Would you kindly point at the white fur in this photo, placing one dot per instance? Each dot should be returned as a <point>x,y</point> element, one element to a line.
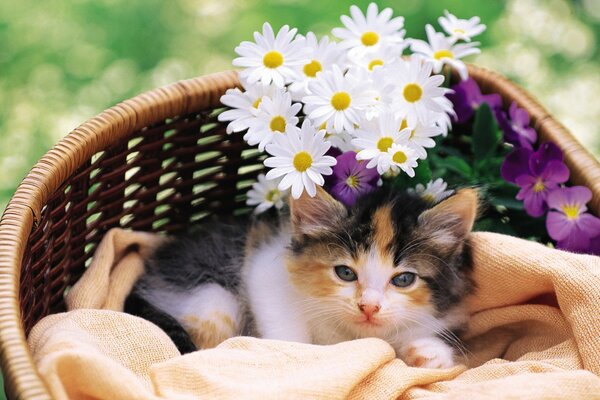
<point>202,302</point>
<point>270,294</point>
<point>428,352</point>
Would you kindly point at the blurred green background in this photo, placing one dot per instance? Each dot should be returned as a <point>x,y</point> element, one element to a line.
<point>62,62</point>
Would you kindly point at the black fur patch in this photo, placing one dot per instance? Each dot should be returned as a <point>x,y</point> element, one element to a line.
<point>135,305</point>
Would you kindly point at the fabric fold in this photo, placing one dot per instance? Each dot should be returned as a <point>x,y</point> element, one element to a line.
<point>534,333</point>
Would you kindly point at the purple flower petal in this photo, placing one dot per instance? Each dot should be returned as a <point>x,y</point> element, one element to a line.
<point>351,178</point>
<point>594,247</point>
<point>494,100</point>
<point>518,115</point>
<point>558,226</point>
<point>569,196</point>
<point>535,204</point>
<point>546,153</point>
<point>588,224</point>
<point>557,198</point>
<point>516,127</point>
<point>574,243</point>
<point>555,171</point>
<point>466,98</point>
<point>516,164</point>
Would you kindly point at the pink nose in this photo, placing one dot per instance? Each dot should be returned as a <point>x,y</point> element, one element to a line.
<point>369,309</point>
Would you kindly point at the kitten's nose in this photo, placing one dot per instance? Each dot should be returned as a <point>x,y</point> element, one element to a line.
<point>369,309</point>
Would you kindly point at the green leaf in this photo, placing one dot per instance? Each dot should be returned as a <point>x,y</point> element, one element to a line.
<point>455,164</point>
<point>486,135</point>
<point>422,175</point>
<point>507,202</point>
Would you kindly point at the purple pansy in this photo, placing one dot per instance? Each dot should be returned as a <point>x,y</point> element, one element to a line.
<point>570,225</point>
<point>351,178</point>
<point>536,173</point>
<point>467,98</point>
<point>516,127</point>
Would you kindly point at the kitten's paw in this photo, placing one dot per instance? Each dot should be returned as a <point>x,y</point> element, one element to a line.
<point>429,352</point>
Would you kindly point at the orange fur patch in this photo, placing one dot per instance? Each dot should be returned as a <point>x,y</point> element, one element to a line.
<point>312,277</point>
<point>420,295</point>
<point>207,334</point>
<point>311,273</point>
<point>383,229</point>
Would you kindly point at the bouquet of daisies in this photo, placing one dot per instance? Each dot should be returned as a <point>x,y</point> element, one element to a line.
<point>345,114</point>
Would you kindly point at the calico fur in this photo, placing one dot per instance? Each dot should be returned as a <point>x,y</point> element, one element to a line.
<point>275,277</point>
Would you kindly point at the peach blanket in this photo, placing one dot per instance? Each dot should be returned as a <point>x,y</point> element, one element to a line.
<point>534,334</point>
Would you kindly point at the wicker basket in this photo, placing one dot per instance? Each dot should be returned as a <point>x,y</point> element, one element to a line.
<point>157,162</point>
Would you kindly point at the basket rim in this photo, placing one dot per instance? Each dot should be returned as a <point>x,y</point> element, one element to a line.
<point>58,164</point>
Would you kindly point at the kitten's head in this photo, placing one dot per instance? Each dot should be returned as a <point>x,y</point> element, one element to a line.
<point>385,263</point>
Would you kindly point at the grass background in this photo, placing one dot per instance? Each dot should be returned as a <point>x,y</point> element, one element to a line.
<point>62,62</point>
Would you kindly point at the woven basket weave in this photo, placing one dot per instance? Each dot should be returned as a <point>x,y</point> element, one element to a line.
<point>156,162</point>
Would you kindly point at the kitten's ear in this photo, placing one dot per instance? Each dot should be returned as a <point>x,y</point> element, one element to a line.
<point>457,212</point>
<point>311,215</point>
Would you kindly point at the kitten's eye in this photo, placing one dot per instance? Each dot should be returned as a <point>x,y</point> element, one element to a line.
<point>404,279</point>
<point>345,273</point>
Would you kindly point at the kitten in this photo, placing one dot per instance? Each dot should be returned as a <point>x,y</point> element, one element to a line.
<point>393,266</point>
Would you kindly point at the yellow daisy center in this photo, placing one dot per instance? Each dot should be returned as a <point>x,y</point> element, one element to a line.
<point>257,102</point>
<point>272,195</point>
<point>340,100</point>
<point>438,55</point>
<point>412,134</point>
<point>302,161</point>
<point>459,31</point>
<point>428,197</point>
<point>369,38</point>
<point>412,92</point>
<point>277,124</point>
<point>273,59</point>
<point>539,186</point>
<point>312,68</point>
<point>384,143</point>
<point>375,63</point>
<point>399,157</point>
<point>572,212</point>
<point>352,181</point>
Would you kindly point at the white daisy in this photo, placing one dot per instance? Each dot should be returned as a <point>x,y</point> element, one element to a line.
<point>461,29</point>
<point>441,50</point>
<point>364,33</point>
<point>265,194</point>
<point>244,105</point>
<point>443,119</point>
<point>272,59</point>
<point>300,158</point>
<point>417,90</point>
<point>336,100</point>
<point>402,157</point>
<point>381,87</point>
<point>371,60</point>
<point>324,54</point>
<point>434,192</point>
<point>342,141</point>
<point>374,139</point>
<point>275,116</point>
<point>421,137</point>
